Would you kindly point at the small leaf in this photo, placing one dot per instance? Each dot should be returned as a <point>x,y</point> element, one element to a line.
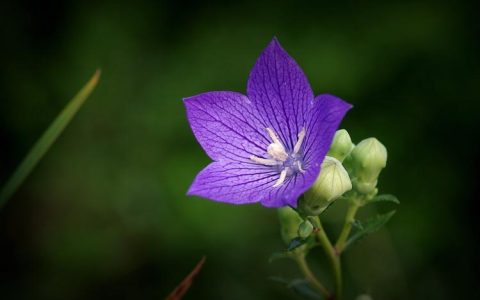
<point>298,241</point>
<point>278,255</point>
<point>357,224</point>
<point>183,287</point>
<point>369,226</point>
<point>295,243</point>
<point>385,198</point>
<point>299,286</point>
<point>46,140</point>
<point>302,288</point>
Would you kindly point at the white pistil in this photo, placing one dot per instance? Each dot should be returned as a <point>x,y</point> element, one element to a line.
<point>301,136</point>
<point>276,149</point>
<point>282,177</point>
<point>279,156</point>
<point>277,152</point>
<point>264,161</point>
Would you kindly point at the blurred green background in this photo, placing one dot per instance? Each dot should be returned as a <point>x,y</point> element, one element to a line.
<point>105,216</point>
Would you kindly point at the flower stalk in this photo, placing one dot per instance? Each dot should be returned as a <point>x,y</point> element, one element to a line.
<point>333,257</point>
<point>309,276</point>
<point>347,226</point>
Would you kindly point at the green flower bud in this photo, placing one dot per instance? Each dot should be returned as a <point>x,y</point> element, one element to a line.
<point>341,146</point>
<point>332,182</point>
<point>289,223</point>
<point>369,157</point>
<point>305,229</point>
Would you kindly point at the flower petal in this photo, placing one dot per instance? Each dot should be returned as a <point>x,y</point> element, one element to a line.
<point>240,183</point>
<point>226,126</point>
<point>324,119</point>
<point>280,92</point>
<point>287,194</point>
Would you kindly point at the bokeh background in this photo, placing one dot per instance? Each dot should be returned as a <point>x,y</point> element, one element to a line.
<point>105,216</point>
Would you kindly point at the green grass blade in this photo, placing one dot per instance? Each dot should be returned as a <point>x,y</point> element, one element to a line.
<point>46,140</point>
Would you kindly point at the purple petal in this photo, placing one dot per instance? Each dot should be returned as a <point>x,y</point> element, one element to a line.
<point>281,93</point>
<point>241,183</point>
<point>324,119</point>
<point>226,126</point>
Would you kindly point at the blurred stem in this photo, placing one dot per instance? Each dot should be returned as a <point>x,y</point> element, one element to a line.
<point>333,257</point>
<point>347,227</point>
<point>302,264</point>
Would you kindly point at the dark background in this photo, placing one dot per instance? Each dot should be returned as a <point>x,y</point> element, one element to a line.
<point>105,216</point>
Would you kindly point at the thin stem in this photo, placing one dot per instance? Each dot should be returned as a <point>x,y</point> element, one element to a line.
<point>333,257</point>
<point>302,264</point>
<point>347,227</point>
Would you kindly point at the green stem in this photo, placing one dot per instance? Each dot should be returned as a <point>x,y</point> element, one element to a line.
<point>347,227</point>
<point>333,257</point>
<point>302,264</point>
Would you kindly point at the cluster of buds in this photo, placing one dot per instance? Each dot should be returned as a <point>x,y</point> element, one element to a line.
<point>346,167</point>
<point>350,172</point>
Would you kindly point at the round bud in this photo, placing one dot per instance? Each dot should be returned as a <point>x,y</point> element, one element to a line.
<point>332,182</point>
<point>289,223</point>
<point>305,229</point>
<point>341,146</point>
<point>369,157</point>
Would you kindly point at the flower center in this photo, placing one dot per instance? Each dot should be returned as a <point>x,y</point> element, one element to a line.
<point>287,164</point>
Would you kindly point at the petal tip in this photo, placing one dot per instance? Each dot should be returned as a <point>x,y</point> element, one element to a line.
<point>188,99</point>
<point>274,45</point>
<point>186,102</point>
<point>275,41</point>
<point>190,191</point>
<point>338,101</point>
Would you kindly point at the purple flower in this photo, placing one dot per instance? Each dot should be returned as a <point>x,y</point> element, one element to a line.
<point>267,146</point>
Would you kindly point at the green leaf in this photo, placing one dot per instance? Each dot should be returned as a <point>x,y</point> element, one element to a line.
<point>278,255</point>
<point>367,227</point>
<point>46,140</point>
<point>295,243</point>
<point>298,241</point>
<point>385,198</point>
<point>299,286</point>
<point>302,288</point>
<point>357,224</point>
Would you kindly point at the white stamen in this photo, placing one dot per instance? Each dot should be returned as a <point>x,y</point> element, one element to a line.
<point>299,166</point>
<point>301,136</point>
<point>282,177</point>
<point>277,152</point>
<point>273,136</point>
<point>264,161</point>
